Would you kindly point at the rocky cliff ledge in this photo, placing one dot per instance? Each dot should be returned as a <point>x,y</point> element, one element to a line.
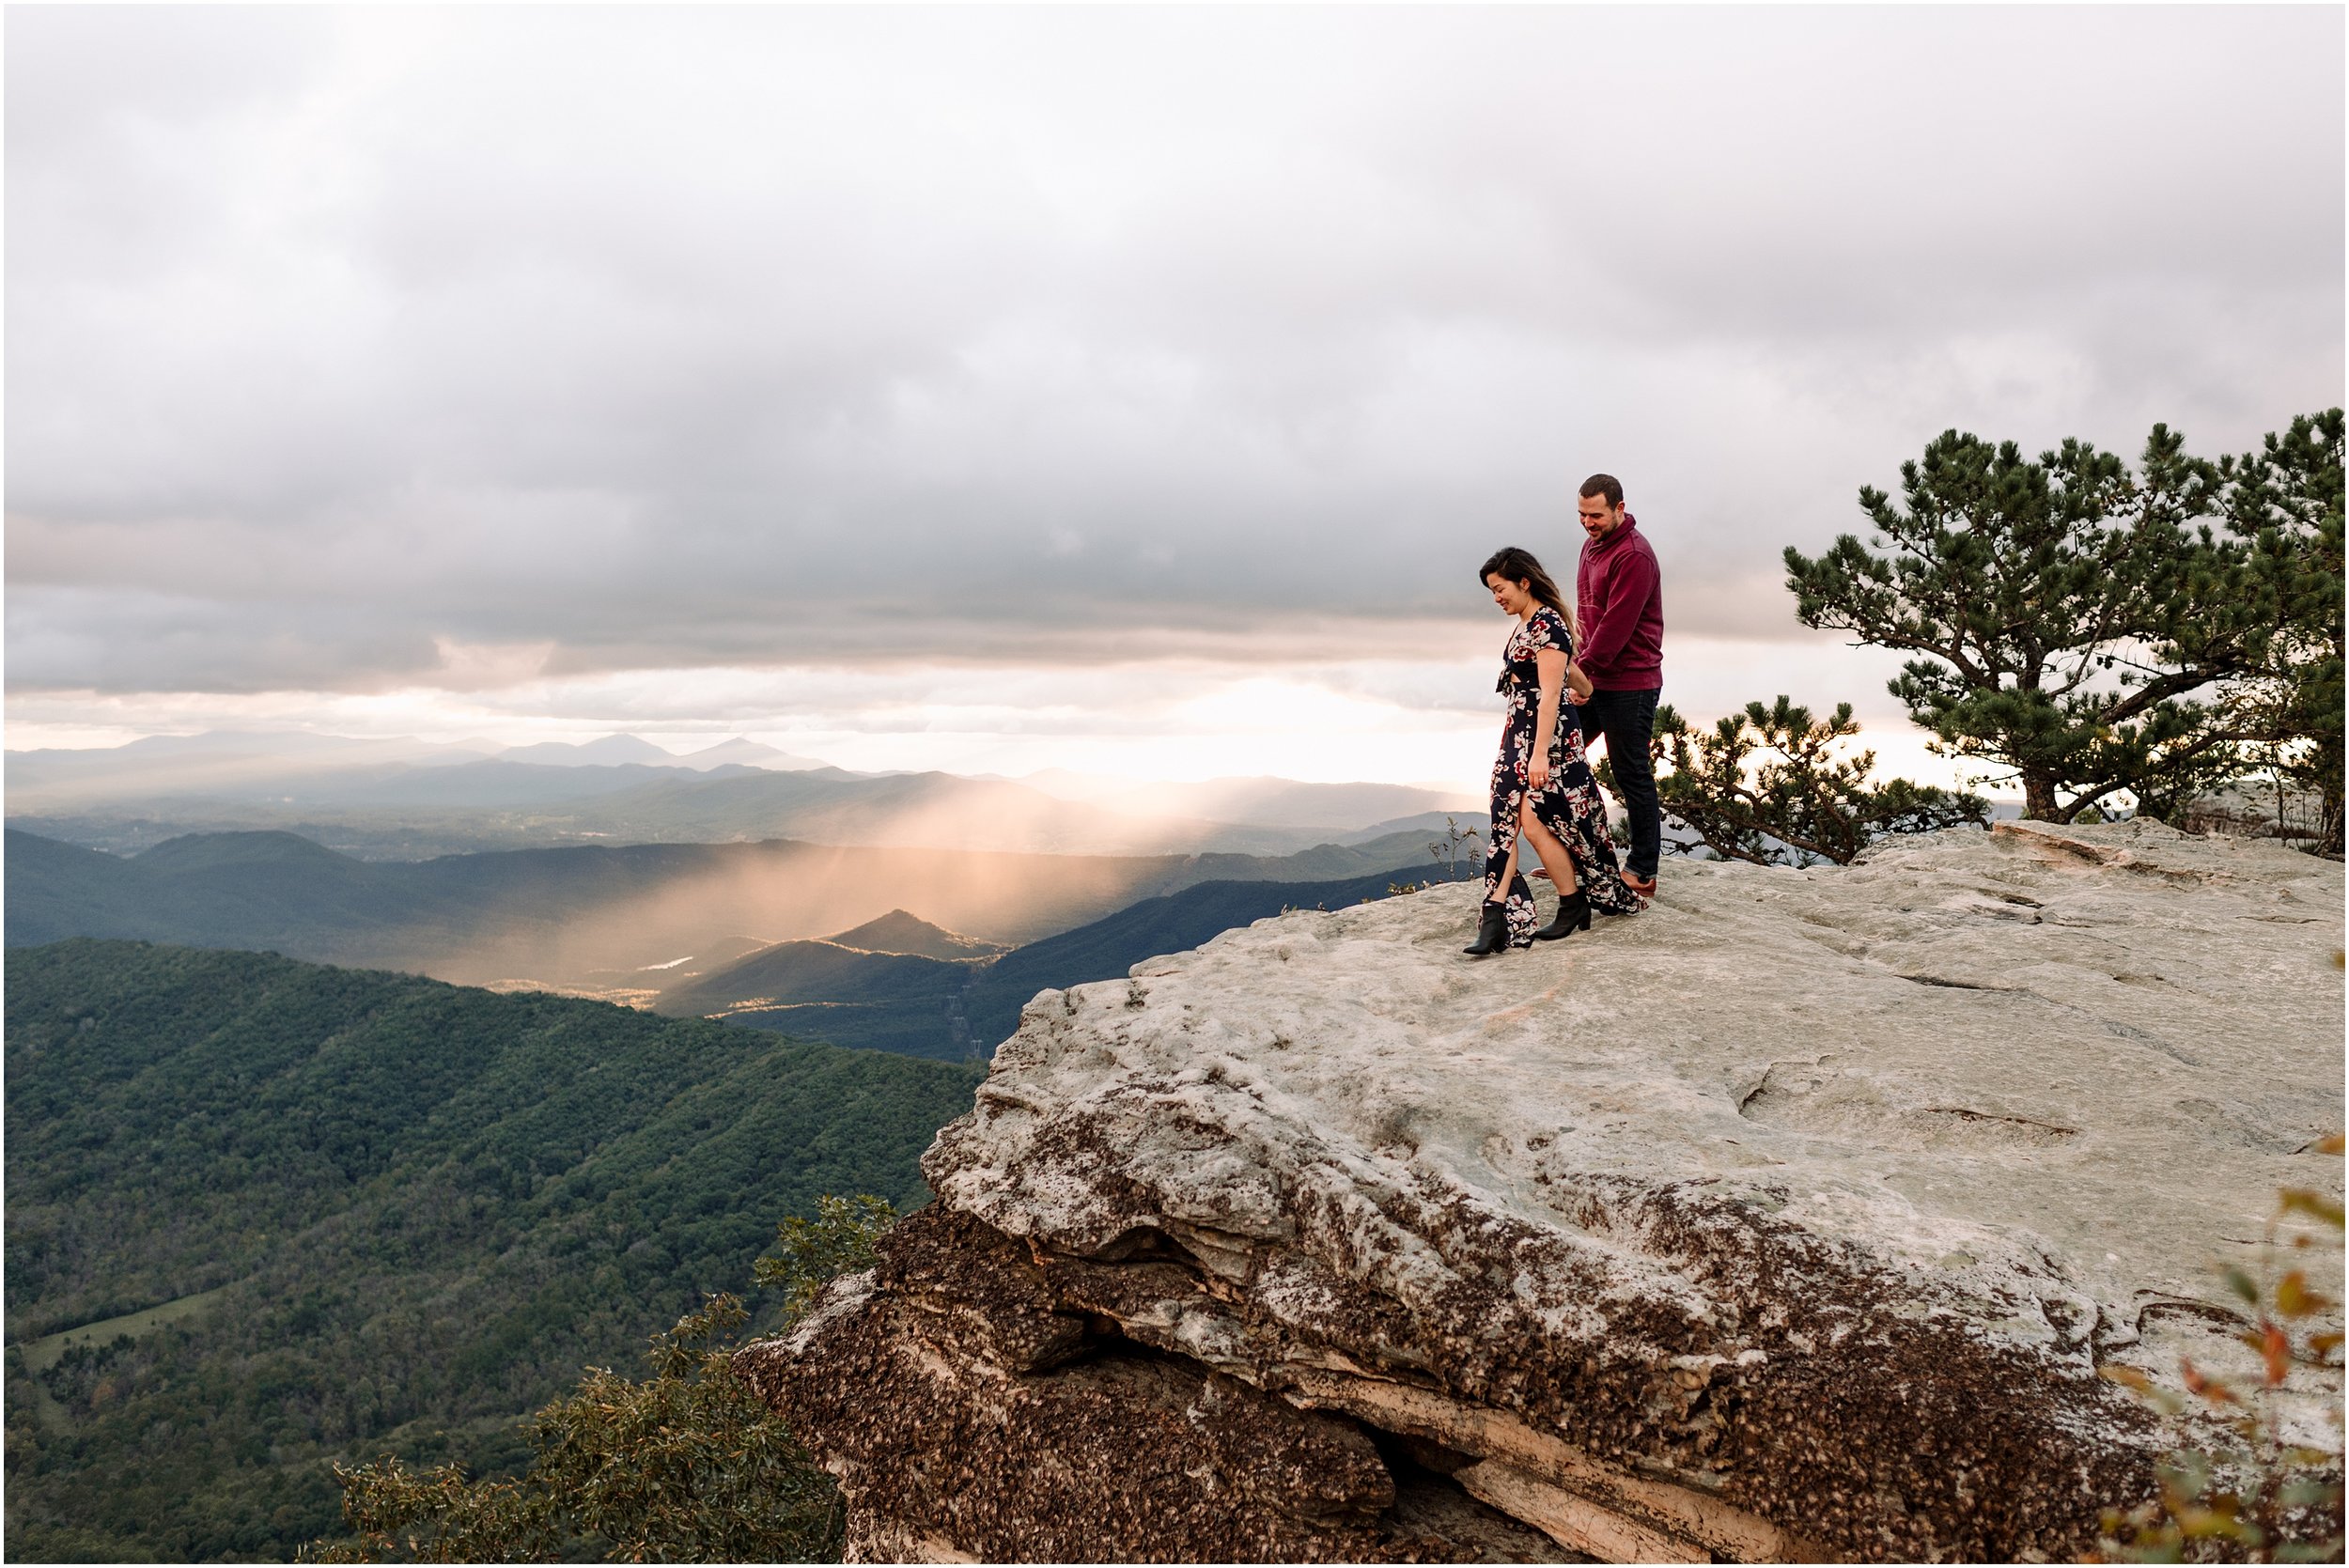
<point>1788,1221</point>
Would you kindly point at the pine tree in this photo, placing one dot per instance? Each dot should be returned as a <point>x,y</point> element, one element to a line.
<point>2091,629</point>
<point>1770,784</point>
<point>2283,506</point>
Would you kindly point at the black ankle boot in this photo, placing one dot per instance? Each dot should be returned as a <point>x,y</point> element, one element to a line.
<point>1492,932</point>
<point>1574,914</point>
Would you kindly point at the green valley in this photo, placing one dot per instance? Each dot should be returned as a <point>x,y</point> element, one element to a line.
<point>265,1214</point>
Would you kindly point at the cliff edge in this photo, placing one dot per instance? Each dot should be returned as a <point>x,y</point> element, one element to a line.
<point>1788,1221</point>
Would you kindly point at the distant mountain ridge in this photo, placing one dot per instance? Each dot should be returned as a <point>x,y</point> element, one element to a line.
<point>170,765</point>
<point>559,915</point>
<point>619,749</point>
<point>408,800</point>
<point>611,749</point>
<point>667,921</point>
<point>474,805</point>
<point>745,751</point>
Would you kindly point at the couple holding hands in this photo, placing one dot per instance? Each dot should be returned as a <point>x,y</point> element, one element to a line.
<point>1543,793</point>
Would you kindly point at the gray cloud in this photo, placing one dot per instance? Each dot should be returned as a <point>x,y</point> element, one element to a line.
<point>742,335</point>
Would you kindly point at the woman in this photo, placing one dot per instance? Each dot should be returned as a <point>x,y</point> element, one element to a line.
<point>1542,786</point>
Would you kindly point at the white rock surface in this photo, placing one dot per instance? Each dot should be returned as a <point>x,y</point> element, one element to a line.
<point>1799,1211</point>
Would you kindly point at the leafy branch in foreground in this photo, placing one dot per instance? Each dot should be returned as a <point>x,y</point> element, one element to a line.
<point>1772,785</point>
<point>2266,1499</point>
<point>687,1465</point>
<point>841,1239</point>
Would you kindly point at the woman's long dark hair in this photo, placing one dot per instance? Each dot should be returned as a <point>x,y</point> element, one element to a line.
<point>1518,565</point>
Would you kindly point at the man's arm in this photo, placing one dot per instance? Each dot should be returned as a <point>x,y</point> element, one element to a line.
<point>1628,586</point>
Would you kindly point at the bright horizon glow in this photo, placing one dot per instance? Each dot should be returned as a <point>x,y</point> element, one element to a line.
<point>1426,723</point>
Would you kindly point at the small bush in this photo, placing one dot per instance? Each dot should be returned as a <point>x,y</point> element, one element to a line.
<point>2259,1499</point>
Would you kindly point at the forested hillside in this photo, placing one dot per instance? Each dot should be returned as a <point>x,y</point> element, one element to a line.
<point>343,1213</point>
<point>547,913</point>
<point>876,1001</point>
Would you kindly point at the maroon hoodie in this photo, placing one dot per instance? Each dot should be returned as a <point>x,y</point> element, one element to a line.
<point>1620,599</point>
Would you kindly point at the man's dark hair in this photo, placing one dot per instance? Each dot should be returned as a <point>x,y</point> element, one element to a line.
<point>1605,484</point>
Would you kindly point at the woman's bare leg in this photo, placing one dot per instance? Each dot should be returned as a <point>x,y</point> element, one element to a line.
<point>1548,848</point>
<point>1509,867</point>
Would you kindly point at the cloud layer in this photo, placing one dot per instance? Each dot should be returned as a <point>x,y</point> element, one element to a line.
<point>366,351</point>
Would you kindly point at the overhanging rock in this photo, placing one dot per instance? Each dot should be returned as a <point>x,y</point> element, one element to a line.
<point>1791,1219</point>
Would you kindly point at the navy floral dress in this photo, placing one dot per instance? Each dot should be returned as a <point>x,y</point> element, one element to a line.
<point>1569,805</point>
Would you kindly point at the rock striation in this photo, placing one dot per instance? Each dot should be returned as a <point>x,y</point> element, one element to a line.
<point>1789,1221</point>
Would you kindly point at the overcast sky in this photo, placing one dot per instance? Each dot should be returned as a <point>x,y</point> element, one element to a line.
<point>1073,386</point>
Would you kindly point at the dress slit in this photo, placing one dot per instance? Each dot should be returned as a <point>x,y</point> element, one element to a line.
<point>1570,805</point>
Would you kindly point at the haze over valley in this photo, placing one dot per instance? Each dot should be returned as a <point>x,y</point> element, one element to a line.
<point>777,893</point>
<point>408,800</point>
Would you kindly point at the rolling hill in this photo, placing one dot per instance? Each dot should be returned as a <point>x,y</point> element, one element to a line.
<point>899,932</point>
<point>822,990</point>
<point>962,1009</point>
<point>267,891</point>
<point>297,1214</point>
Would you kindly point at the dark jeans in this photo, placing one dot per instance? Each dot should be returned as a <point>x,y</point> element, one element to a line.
<point>1627,719</point>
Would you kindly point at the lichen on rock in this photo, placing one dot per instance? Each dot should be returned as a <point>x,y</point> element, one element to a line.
<point>1790,1219</point>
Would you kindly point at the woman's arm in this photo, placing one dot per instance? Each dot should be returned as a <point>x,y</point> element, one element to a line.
<point>1552,663</point>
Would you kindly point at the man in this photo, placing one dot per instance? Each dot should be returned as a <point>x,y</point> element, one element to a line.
<point>1620,598</point>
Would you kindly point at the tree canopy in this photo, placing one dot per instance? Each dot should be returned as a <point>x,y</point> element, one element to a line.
<point>2283,510</point>
<point>2096,631</point>
<point>684,1465</point>
<point>264,1215</point>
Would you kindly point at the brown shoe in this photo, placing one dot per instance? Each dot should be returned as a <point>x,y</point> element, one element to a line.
<point>1644,887</point>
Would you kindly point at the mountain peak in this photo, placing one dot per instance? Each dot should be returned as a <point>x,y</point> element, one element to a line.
<point>754,753</point>
<point>900,932</point>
